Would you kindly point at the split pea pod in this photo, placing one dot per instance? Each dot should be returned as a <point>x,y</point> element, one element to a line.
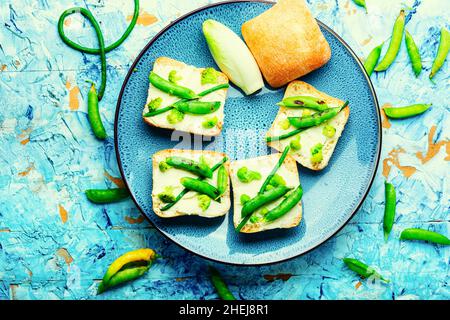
<point>185,191</point>
<point>106,195</point>
<point>197,107</point>
<point>200,169</point>
<point>316,118</point>
<point>395,43</point>
<point>222,179</point>
<point>171,88</point>
<point>444,48</point>
<point>285,206</point>
<point>389,208</point>
<point>127,267</point>
<point>413,53</point>
<point>363,269</point>
<point>221,287</point>
<point>263,199</point>
<point>424,235</point>
<point>372,59</point>
<point>304,102</point>
<point>201,187</point>
<point>406,112</point>
<point>94,115</point>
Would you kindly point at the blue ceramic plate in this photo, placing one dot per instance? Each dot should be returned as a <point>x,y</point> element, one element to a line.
<point>331,196</point>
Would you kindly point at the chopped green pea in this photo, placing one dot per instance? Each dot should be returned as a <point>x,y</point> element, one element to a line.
<point>173,77</point>
<point>264,211</point>
<point>246,176</point>
<point>245,198</point>
<point>316,153</point>
<point>164,166</point>
<point>209,75</point>
<point>329,131</point>
<point>175,116</point>
<point>295,144</point>
<point>210,123</point>
<point>167,195</point>
<point>254,219</point>
<point>203,202</point>
<point>154,104</point>
<point>285,124</point>
<point>277,180</point>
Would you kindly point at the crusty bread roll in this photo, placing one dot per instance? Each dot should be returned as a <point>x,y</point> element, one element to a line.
<point>286,41</point>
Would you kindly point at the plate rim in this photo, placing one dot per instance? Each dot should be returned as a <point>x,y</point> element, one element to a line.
<point>167,236</point>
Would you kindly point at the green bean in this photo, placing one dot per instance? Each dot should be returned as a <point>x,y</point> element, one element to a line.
<point>285,206</point>
<point>304,102</point>
<point>389,208</point>
<point>363,269</point>
<point>284,136</point>
<point>171,88</point>
<point>97,51</point>
<point>406,112</point>
<point>220,286</point>
<point>394,45</point>
<point>185,191</point>
<point>316,118</point>
<point>424,235</point>
<point>262,199</point>
<point>106,195</point>
<point>413,53</point>
<point>200,169</point>
<point>444,48</point>
<point>360,3</point>
<point>201,187</point>
<point>197,107</point>
<point>222,179</point>
<point>372,59</point>
<point>94,115</point>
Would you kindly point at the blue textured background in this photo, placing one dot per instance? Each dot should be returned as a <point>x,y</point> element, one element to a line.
<point>56,245</point>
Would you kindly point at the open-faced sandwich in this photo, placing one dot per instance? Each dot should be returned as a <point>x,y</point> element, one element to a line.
<point>190,182</point>
<point>267,193</point>
<point>310,122</point>
<point>186,98</point>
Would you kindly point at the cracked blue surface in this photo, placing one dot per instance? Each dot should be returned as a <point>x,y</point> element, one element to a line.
<point>48,157</point>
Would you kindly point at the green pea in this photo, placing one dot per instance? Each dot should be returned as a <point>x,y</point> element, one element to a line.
<point>203,202</point>
<point>174,77</point>
<point>424,235</point>
<point>210,123</point>
<point>245,175</point>
<point>363,269</point>
<point>316,153</point>
<point>277,180</point>
<point>175,116</point>
<point>285,124</point>
<point>262,199</point>
<point>164,166</point>
<point>171,88</point>
<point>197,168</point>
<point>167,195</point>
<point>444,48</point>
<point>201,187</point>
<point>107,196</point>
<point>94,114</point>
<point>295,144</point>
<point>360,3</point>
<point>197,107</point>
<point>222,179</point>
<point>285,206</point>
<point>209,75</point>
<point>394,45</point>
<point>329,131</point>
<point>372,59</point>
<point>413,53</point>
<point>220,286</point>
<point>389,209</point>
<point>304,102</point>
<point>406,112</point>
<point>244,199</point>
<point>154,104</point>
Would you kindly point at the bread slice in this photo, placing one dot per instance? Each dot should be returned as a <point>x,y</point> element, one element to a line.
<point>264,166</point>
<point>188,205</point>
<point>312,136</point>
<point>286,41</point>
<point>190,78</point>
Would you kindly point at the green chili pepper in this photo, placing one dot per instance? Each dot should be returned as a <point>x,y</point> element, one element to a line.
<point>394,45</point>
<point>185,191</point>
<point>372,59</point>
<point>304,102</point>
<point>197,107</point>
<point>106,195</point>
<point>413,53</point>
<point>94,115</point>
<point>363,269</point>
<point>285,206</point>
<point>284,136</point>
<point>316,118</point>
<point>406,112</point>
<point>127,267</point>
<point>171,88</point>
<point>444,48</point>
<point>101,50</point>
<point>424,235</point>
<point>389,208</point>
<point>201,187</point>
<point>360,3</point>
<point>200,169</point>
<point>222,179</point>
<point>221,287</point>
<point>262,199</point>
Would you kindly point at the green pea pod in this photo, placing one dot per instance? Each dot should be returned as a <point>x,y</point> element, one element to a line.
<point>171,88</point>
<point>304,102</point>
<point>372,59</point>
<point>222,179</point>
<point>406,112</point>
<point>424,235</point>
<point>185,191</point>
<point>389,208</point>
<point>263,199</point>
<point>285,206</point>
<point>220,285</point>
<point>360,3</point>
<point>197,107</point>
<point>413,53</point>
<point>106,195</point>
<point>394,45</point>
<point>200,169</point>
<point>284,136</point>
<point>201,187</point>
<point>94,115</point>
<point>363,269</point>
<point>316,118</point>
<point>444,48</point>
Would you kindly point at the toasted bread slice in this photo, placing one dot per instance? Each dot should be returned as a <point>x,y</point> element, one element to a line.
<point>264,165</point>
<point>312,136</point>
<point>190,78</point>
<point>189,204</point>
